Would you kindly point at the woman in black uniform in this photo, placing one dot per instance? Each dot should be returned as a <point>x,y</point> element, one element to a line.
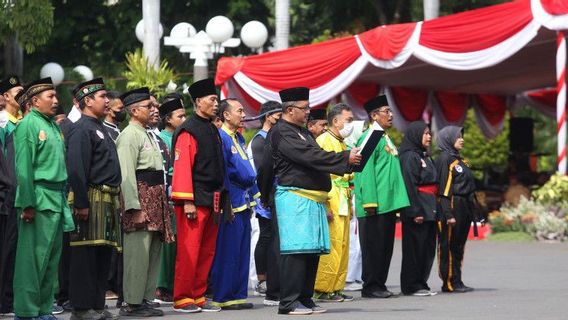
<point>418,220</point>
<point>456,195</point>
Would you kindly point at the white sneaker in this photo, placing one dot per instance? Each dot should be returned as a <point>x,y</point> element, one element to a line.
<point>271,303</point>
<point>433,293</point>
<point>353,286</point>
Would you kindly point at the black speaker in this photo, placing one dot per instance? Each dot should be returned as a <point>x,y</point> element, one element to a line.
<point>521,135</point>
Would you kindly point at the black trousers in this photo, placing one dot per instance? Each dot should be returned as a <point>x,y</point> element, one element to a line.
<point>263,246</point>
<point>88,274</point>
<point>65,260</point>
<point>298,278</point>
<point>377,241</point>
<point>418,253</point>
<point>8,242</point>
<point>273,270</point>
<point>451,244</point>
<point>115,273</point>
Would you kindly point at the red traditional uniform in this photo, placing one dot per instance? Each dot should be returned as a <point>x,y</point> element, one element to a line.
<point>196,237</point>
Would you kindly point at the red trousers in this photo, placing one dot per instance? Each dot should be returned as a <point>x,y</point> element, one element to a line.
<point>196,239</point>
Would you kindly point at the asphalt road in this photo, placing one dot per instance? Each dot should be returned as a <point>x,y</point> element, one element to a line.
<point>512,281</point>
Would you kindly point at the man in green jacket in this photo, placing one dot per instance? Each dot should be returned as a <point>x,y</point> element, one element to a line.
<point>379,194</point>
<point>41,203</point>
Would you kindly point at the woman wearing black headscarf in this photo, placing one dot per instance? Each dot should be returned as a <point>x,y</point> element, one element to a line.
<point>418,220</point>
<point>456,194</point>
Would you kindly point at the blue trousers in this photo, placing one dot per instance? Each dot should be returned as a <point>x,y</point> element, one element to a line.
<point>230,270</point>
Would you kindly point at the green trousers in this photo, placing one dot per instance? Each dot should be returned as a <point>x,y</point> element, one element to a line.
<point>37,262</point>
<point>168,266</point>
<point>167,269</point>
<point>141,254</point>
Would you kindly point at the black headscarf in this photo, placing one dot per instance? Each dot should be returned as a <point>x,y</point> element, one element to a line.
<point>412,140</point>
<point>447,138</point>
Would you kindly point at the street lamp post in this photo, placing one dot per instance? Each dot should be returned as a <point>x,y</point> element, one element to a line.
<point>217,36</point>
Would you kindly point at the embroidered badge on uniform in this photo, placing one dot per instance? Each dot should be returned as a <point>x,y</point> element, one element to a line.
<point>234,150</point>
<point>42,135</point>
<point>100,134</point>
<point>147,145</point>
<point>459,168</point>
<point>423,163</point>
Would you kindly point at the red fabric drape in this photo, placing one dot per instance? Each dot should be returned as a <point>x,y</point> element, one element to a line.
<point>386,42</point>
<point>555,7</point>
<point>492,107</point>
<point>363,92</point>
<point>310,66</point>
<point>226,69</point>
<point>477,29</point>
<point>410,102</point>
<point>453,105</point>
<point>546,97</point>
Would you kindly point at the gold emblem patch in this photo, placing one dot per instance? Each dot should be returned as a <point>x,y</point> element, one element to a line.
<point>42,135</point>
<point>13,80</point>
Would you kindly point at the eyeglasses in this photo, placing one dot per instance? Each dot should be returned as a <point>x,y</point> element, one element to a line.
<point>386,111</point>
<point>302,108</point>
<point>147,106</point>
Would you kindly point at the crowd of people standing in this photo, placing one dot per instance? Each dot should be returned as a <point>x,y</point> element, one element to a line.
<point>160,211</point>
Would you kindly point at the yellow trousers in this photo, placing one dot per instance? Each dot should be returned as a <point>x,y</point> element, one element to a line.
<point>332,268</point>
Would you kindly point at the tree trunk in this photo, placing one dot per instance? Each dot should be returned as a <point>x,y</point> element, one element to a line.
<point>431,9</point>
<point>282,15</point>
<point>13,56</point>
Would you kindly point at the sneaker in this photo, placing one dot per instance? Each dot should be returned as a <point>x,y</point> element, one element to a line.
<point>107,315</point>
<point>422,293</point>
<point>353,286</point>
<point>150,304</point>
<point>57,309</point>
<point>163,297</point>
<point>190,308</point>
<point>345,297</point>
<point>137,311</point>
<point>317,310</point>
<point>260,289</point>
<point>433,293</point>
<point>209,307</point>
<point>67,306</point>
<point>327,297</point>
<point>86,315</point>
<point>46,317</point>
<point>301,310</point>
<point>270,302</point>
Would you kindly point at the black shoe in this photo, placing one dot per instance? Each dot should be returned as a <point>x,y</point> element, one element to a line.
<point>137,311</point>
<point>239,306</point>
<point>150,304</point>
<point>378,294</point>
<point>67,306</point>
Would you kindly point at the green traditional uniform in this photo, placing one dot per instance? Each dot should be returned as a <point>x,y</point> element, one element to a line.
<point>41,176</point>
<point>381,186</point>
<point>167,269</point>
<point>142,170</point>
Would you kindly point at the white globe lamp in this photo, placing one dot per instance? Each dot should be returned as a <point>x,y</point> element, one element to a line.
<point>53,70</point>
<point>140,30</point>
<point>85,72</point>
<point>219,29</point>
<point>254,34</point>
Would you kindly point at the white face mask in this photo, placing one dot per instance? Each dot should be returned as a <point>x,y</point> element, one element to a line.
<point>347,129</point>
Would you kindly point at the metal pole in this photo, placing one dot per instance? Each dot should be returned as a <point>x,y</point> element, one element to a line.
<point>431,9</point>
<point>151,16</point>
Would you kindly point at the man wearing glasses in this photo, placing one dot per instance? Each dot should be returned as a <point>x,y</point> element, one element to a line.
<point>146,219</point>
<point>302,169</point>
<point>379,193</point>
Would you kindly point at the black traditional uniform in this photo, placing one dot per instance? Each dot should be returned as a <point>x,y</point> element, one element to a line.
<point>94,178</point>
<point>298,162</point>
<point>456,194</point>
<point>418,239</point>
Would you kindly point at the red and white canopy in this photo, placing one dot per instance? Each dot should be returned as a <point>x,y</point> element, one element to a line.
<point>442,67</point>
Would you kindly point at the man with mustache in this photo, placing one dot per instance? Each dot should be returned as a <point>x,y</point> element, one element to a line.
<point>380,193</point>
<point>41,203</point>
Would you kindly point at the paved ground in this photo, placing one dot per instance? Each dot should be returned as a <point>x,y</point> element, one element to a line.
<point>512,281</point>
